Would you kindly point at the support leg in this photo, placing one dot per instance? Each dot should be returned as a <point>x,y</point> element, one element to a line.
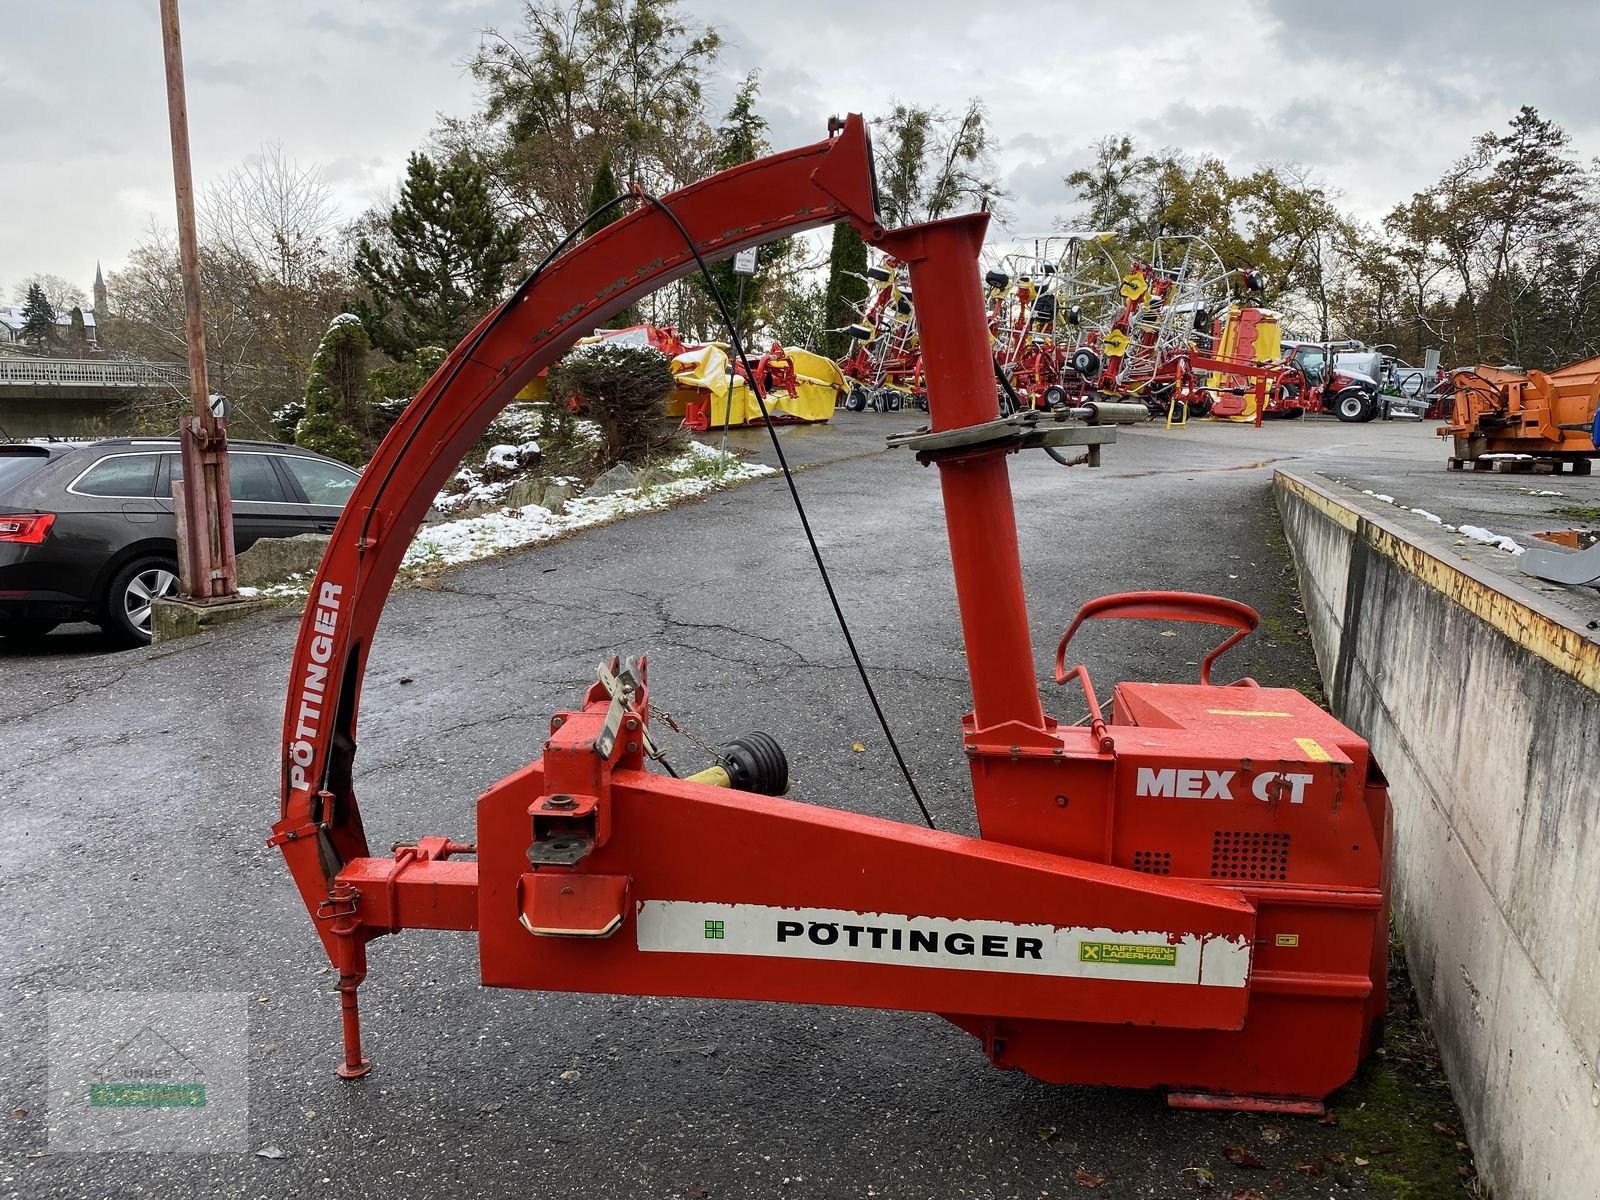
<point>354,1065</point>
<point>351,961</point>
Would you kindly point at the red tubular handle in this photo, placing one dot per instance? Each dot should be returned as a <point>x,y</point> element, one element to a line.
<point>1165,606</point>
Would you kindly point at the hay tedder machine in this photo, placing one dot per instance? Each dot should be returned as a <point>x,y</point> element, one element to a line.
<point>1189,891</point>
<point>1071,322</point>
<point>1046,311</point>
<point>883,367</point>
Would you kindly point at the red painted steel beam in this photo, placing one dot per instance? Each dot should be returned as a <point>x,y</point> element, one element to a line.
<point>815,905</point>
<point>753,203</point>
<point>979,513</point>
<point>402,894</point>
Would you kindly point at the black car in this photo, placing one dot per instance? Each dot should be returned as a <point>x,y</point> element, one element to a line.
<point>86,531</point>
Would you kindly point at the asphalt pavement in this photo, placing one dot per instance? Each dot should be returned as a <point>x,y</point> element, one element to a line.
<point>139,787</point>
<point>1422,497</point>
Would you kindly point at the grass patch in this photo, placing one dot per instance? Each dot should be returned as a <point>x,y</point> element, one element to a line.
<point>1284,623</point>
<point>1399,1114</point>
<point>705,466</point>
<point>1574,512</point>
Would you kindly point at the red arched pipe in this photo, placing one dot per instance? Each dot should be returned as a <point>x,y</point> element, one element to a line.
<point>320,826</point>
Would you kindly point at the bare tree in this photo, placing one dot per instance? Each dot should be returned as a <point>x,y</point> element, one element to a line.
<point>271,277</point>
<point>151,324</point>
<point>62,295</point>
<point>279,220</point>
<point>275,213</point>
<point>930,162</point>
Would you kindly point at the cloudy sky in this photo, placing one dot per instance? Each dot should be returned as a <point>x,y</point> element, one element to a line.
<point>1377,96</point>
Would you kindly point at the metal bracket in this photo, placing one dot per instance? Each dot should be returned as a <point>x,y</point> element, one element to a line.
<point>563,829</point>
<point>561,850</point>
<point>623,688</point>
<point>336,906</point>
<point>1020,431</point>
<point>293,835</point>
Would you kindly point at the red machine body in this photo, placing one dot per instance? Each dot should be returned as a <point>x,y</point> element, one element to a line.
<point>1182,376</point>
<point>1191,894</point>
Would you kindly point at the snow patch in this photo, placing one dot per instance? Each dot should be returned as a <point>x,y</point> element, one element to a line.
<point>505,457</point>
<point>475,490</point>
<point>701,450</point>
<point>472,538</point>
<point>1479,534</point>
<point>1476,532</point>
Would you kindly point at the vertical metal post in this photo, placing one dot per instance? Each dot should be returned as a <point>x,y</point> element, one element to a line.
<point>978,509</point>
<point>744,266</point>
<point>206,561</point>
<point>727,411</point>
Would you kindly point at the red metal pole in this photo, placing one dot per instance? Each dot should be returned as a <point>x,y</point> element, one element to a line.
<point>982,523</point>
<point>207,562</point>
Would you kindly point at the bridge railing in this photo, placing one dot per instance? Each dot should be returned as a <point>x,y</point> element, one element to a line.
<point>78,373</point>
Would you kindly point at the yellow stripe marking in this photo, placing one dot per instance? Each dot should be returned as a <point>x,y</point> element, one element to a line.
<point>1564,648</point>
<point>1243,712</point>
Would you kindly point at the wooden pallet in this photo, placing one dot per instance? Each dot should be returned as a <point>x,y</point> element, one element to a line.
<point>1523,466</point>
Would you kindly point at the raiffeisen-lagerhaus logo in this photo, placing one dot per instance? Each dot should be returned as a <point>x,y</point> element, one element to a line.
<point>1135,953</point>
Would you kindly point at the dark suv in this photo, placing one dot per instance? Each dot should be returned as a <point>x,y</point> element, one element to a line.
<point>86,531</point>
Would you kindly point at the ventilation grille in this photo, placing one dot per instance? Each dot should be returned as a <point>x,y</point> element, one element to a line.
<point>1153,862</point>
<point>1239,855</point>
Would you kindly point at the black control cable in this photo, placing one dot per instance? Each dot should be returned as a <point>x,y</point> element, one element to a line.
<point>727,320</point>
<point>794,493</point>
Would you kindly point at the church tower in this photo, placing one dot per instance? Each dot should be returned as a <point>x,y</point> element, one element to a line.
<point>102,306</point>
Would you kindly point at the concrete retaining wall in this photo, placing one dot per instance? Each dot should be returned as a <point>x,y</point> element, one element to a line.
<point>1482,704</point>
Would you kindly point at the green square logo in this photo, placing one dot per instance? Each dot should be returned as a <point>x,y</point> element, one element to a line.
<point>1132,954</point>
<point>714,930</point>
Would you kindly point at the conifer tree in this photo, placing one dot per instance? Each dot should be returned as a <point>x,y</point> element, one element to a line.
<point>335,405</point>
<point>847,286</point>
<point>38,317</point>
<point>605,188</point>
<point>743,137</point>
<point>448,262</point>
